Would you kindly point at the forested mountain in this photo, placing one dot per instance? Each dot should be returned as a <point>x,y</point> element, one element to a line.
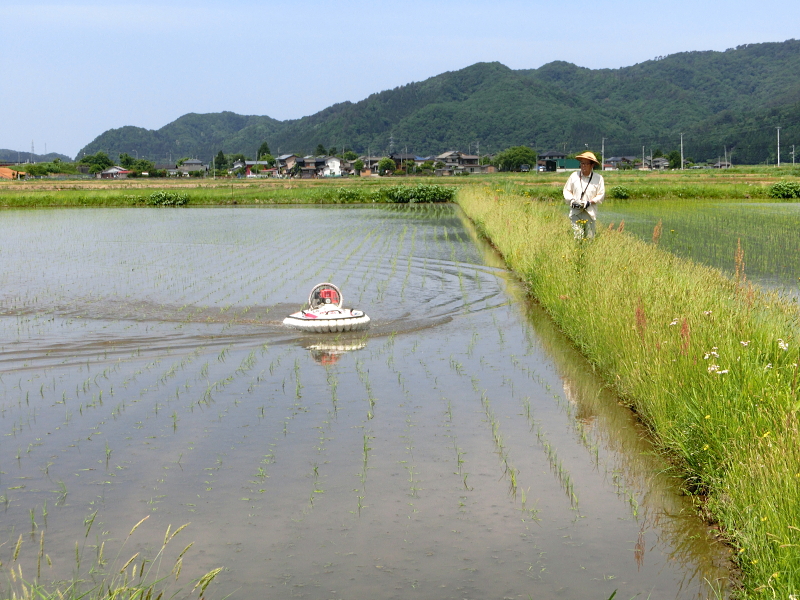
<point>718,100</point>
<point>13,156</point>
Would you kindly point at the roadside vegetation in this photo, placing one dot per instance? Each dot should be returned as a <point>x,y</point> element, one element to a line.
<point>709,363</point>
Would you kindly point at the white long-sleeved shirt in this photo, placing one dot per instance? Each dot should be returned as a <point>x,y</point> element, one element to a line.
<point>595,192</point>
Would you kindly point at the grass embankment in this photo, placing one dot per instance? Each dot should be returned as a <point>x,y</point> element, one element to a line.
<point>709,363</point>
<point>738,183</point>
<point>208,192</point>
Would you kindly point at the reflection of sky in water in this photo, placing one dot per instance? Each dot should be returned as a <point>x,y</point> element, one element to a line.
<point>709,232</point>
<point>460,449</point>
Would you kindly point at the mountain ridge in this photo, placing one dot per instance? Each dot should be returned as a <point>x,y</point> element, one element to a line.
<point>718,100</point>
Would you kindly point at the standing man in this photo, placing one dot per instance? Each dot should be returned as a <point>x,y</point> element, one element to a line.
<point>583,191</point>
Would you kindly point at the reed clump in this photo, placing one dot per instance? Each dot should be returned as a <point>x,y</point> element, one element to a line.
<point>709,363</point>
<point>140,577</point>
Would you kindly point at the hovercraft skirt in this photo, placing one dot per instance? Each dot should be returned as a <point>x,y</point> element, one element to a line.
<point>327,325</point>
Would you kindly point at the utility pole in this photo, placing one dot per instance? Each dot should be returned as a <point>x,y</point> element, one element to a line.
<point>792,154</point>
<point>642,157</point>
<point>681,152</point>
<point>602,153</point>
<point>725,151</point>
<point>779,145</point>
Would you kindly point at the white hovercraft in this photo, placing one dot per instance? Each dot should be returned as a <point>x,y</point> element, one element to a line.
<point>326,314</point>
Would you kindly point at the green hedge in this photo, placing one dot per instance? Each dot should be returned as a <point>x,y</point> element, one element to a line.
<point>163,198</point>
<point>395,194</point>
<point>785,190</point>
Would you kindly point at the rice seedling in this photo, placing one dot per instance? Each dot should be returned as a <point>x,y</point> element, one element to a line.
<point>151,315</point>
<point>657,364</point>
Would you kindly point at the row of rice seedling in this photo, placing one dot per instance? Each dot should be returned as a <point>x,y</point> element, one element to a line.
<point>711,232</point>
<point>709,366</point>
<point>297,466</point>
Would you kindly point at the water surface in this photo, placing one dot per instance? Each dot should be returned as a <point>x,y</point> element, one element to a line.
<point>710,232</point>
<point>460,449</point>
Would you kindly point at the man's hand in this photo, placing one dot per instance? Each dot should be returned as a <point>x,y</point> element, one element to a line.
<point>579,204</point>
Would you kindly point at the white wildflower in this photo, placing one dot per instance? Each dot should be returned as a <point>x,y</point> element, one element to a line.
<point>722,371</point>
<point>713,368</point>
<point>747,343</point>
<point>706,312</point>
<point>674,322</point>
<point>783,345</point>
<point>768,367</point>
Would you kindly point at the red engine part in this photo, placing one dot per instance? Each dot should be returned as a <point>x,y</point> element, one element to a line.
<point>329,295</point>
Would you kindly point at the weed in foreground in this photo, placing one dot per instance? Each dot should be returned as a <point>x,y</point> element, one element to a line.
<point>138,577</point>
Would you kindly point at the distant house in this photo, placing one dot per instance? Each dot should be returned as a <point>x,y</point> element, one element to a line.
<point>459,163</point>
<point>403,160</point>
<point>311,166</point>
<point>621,162</point>
<point>171,169</point>
<point>553,160</point>
<point>192,165</point>
<point>252,171</point>
<point>448,157</point>
<point>333,167</point>
<point>285,163</point>
<point>552,155</point>
<point>114,173</point>
<point>370,162</point>
<point>656,163</point>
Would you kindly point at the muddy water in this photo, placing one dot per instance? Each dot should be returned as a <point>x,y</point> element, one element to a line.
<point>460,449</point>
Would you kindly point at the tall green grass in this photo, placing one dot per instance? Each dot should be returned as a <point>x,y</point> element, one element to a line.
<point>709,363</point>
<point>140,577</point>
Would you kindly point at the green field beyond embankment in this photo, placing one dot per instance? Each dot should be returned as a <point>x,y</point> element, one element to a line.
<point>709,363</point>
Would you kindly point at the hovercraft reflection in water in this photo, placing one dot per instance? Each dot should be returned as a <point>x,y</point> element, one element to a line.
<point>326,314</point>
<point>329,353</point>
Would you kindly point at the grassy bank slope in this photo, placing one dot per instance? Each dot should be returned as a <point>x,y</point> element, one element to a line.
<point>709,364</point>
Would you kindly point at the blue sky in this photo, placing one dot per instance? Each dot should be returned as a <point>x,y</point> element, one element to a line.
<point>77,68</point>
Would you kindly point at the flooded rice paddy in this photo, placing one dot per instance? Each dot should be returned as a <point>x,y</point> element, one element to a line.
<point>708,232</point>
<point>461,449</point>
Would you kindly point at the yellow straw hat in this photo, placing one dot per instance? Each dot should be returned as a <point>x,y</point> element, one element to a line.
<point>589,156</point>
